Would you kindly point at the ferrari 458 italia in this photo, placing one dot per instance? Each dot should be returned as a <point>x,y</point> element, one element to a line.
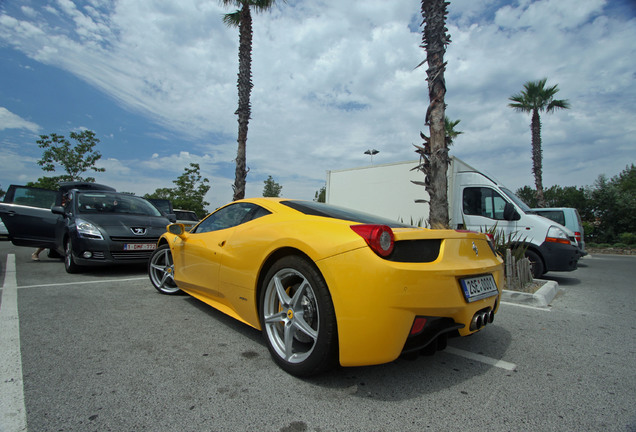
<point>328,285</point>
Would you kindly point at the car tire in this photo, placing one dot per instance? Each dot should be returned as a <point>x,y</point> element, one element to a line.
<point>161,271</point>
<point>297,317</point>
<point>536,264</point>
<point>69,261</point>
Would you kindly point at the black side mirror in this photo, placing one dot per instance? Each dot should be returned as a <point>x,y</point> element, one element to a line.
<point>57,210</point>
<point>510,214</point>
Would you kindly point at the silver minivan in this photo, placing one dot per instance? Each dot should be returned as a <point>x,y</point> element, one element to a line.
<point>569,218</point>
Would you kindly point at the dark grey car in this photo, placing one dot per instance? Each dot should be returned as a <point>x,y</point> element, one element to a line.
<point>87,223</point>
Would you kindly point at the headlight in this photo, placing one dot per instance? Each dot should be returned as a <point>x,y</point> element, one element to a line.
<point>87,230</point>
<point>557,235</point>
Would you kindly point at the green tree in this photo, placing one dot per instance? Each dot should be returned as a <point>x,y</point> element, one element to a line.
<point>535,98</point>
<point>242,18</point>
<point>434,153</point>
<point>74,159</point>
<point>321,195</point>
<point>188,193</point>
<point>271,189</point>
<point>557,196</point>
<point>613,202</point>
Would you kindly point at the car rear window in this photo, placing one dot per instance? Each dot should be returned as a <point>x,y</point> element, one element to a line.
<point>329,211</point>
<point>556,215</point>
<point>186,215</point>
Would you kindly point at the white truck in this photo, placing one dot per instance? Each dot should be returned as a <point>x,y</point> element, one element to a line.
<point>476,202</point>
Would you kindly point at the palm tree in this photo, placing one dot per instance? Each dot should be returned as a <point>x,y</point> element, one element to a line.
<point>425,153</point>
<point>242,18</point>
<point>534,98</point>
<point>435,39</point>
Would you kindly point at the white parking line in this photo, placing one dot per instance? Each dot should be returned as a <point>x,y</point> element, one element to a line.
<point>12,409</point>
<point>85,282</point>
<point>481,358</point>
<point>541,308</point>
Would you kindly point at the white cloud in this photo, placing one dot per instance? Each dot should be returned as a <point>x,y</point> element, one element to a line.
<point>9,120</point>
<point>335,78</point>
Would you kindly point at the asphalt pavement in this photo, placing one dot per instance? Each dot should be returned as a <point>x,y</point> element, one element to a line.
<point>102,350</point>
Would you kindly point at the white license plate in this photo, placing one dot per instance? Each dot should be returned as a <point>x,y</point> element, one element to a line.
<point>479,287</point>
<point>139,246</point>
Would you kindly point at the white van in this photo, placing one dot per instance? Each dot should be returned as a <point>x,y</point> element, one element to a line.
<point>476,201</point>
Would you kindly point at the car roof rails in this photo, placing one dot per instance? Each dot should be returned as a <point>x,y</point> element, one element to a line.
<point>67,186</point>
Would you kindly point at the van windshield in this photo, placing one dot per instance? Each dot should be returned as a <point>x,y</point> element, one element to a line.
<point>523,206</point>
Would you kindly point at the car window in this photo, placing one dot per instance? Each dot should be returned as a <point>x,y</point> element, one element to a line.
<point>312,208</point>
<point>481,201</point>
<point>104,202</point>
<point>34,197</point>
<point>556,215</point>
<point>186,215</point>
<point>230,216</point>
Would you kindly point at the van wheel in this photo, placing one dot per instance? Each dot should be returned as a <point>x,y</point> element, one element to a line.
<point>536,265</point>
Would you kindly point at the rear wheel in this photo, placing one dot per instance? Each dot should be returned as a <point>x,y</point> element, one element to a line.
<point>161,271</point>
<point>298,318</point>
<point>536,265</point>
<point>69,261</point>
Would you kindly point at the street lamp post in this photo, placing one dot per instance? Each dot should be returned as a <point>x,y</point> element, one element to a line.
<point>371,153</point>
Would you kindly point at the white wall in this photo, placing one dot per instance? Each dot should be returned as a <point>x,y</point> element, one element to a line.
<point>373,190</point>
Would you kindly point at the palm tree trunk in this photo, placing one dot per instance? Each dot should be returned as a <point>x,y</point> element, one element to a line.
<point>436,39</point>
<point>244,108</point>
<point>537,157</point>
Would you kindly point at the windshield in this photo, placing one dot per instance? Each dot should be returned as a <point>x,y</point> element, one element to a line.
<point>105,202</point>
<point>326,210</point>
<point>516,200</point>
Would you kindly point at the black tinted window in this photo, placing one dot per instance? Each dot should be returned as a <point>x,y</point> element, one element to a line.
<point>481,201</point>
<point>555,215</point>
<point>34,197</point>
<point>105,202</point>
<point>186,215</point>
<point>230,216</point>
<point>325,210</point>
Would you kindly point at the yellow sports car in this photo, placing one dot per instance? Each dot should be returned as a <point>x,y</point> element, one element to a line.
<point>329,285</point>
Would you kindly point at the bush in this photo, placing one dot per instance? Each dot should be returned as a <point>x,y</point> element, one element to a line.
<point>620,246</point>
<point>627,238</point>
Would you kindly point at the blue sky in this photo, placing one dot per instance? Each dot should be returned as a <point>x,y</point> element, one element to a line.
<point>156,81</point>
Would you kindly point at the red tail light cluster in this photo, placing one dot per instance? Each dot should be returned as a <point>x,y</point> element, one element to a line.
<point>379,238</point>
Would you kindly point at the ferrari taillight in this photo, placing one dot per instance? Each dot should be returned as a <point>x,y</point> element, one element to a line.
<point>379,238</point>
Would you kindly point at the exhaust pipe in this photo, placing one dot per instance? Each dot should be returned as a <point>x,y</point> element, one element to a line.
<point>482,318</point>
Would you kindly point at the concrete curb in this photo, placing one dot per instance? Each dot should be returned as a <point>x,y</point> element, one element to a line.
<point>541,298</point>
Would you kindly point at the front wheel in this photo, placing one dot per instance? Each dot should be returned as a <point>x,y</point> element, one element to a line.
<point>536,265</point>
<point>298,318</point>
<point>69,261</point>
<point>161,271</point>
